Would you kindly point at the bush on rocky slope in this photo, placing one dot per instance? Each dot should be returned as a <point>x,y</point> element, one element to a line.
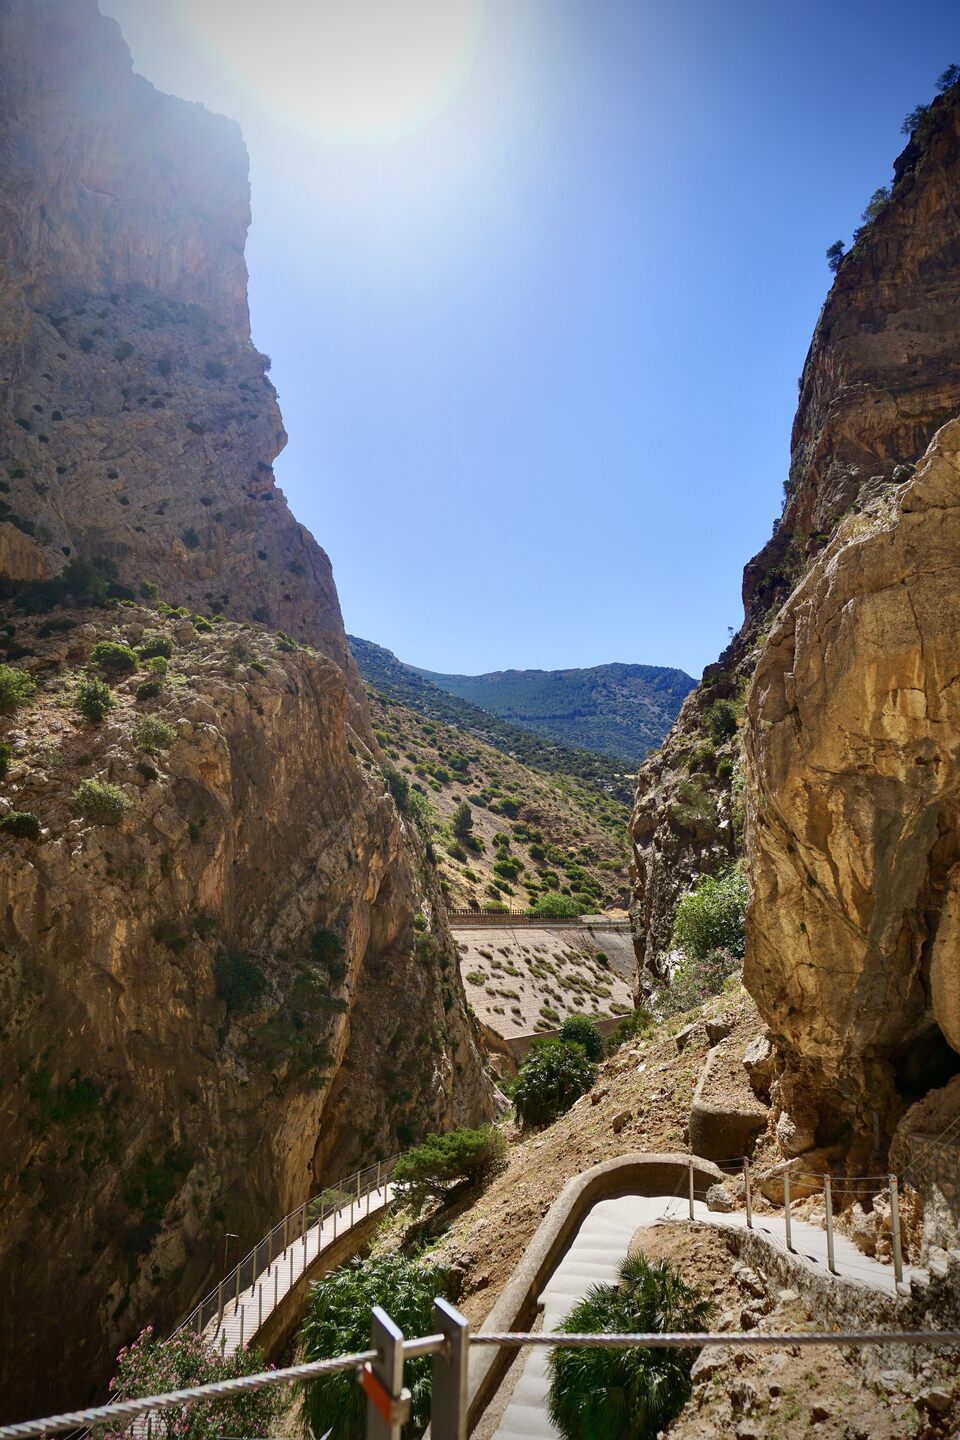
<point>338,1323</point>
<point>628,1394</point>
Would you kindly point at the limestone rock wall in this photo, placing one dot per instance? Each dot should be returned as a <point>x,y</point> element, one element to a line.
<point>853,841</point>
<point>136,418</point>
<point>211,1009</point>
<point>184,1050</point>
<point>881,376</point>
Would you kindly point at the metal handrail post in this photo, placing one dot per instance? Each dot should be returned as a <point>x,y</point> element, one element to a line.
<point>388,1404</point>
<point>786,1210</point>
<point>746,1183</point>
<point>690,1167</point>
<point>448,1401</point>
<point>828,1201</point>
<point>895,1221</point>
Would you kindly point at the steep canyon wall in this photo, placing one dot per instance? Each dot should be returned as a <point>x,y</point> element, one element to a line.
<point>846,788</point>
<point>245,985</point>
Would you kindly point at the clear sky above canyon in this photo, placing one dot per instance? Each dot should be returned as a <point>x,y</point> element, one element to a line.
<point>538,278</point>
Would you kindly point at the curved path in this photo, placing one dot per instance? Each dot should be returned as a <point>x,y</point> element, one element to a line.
<point>249,1311</point>
<point>594,1258</point>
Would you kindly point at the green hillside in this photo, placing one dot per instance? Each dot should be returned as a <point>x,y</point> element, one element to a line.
<point>619,710</point>
<point>390,677</point>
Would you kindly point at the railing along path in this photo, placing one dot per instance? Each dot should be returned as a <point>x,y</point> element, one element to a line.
<point>244,1299</point>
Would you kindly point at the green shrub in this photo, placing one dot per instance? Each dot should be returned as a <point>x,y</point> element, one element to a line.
<point>462,820</point>
<point>550,1079</point>
<point>694,980</point>
<point>153,1366</point>
<point>725,768</point>
<point>190,538</point>
<point>100,802</point>
<point>554,906</point>
<point>328,950</point>
<point>6,755</point>
<point>443,1163</point>
<point>626,1394</point>
<point>693,804</point>
<point>508,867</point>
<point>202,625</point>
<point>150,689</point>
<point>338,1322</point>
<point>152,733</point>
<point>721,720</point>
<point>158,664</point>
<point>16,687</point>
<point>156,646</point>
<point>399,787</point>
<point>286,643</point>
<point>638,1022</point>
<point>93,699</point>
<point>580,1030</point>
<point>114,658</point>
<point>22,823</point>
<point>712,915</point>
<point>239,979</point>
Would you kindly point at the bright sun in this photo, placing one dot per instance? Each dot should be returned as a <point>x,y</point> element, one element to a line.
<point>342,69</point>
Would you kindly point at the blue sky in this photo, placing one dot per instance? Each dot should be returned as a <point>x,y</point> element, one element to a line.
<point>536,319</point>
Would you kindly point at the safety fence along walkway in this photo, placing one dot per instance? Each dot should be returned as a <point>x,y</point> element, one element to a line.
<point>236,1309</point>
<point>380,1372</point>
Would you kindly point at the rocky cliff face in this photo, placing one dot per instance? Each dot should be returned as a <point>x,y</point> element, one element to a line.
<point>853,840</point>
<point>136,418</point>
<point>239,983</point>
<point>882,375</point>
<point>211,1007</point>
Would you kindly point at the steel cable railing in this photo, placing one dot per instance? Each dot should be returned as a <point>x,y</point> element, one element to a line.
<point>441,1346</point>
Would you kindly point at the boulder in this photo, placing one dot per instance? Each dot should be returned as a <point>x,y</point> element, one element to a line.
<point>720,1200</point>
<point>758,1061</point>
<point>718,1028</point>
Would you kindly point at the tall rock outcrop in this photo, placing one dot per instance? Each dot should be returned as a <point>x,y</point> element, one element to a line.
<point>881,376</point>
<point>234,982</point>
<point>136,418</point>
<point>853,837</point>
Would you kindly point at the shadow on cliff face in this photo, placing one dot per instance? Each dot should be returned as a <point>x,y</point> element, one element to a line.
<point>924,1063</point>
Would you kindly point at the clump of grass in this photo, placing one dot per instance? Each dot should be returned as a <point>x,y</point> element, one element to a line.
<point>16,688</point>
<point>151,733</point>
<point>100,802</point>
<point>93,699</point>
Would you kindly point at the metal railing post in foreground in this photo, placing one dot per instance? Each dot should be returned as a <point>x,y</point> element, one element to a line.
<point>448,1403</point>
<point>828,1201</point>
<point>746,1183</point>
<point>690,1167</point>
<point>388,1404</point>
<point>786,1209</point>
<point>895,1221</point>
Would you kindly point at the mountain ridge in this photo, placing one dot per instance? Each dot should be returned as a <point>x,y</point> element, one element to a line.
<point>618,709</point>
<point>389,676</point>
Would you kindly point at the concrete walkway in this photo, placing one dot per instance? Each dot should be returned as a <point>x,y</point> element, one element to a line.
<point>243,1315</point>
<point>595,1256</point>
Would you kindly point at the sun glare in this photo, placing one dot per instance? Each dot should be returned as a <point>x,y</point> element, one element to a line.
<point>368,70</point>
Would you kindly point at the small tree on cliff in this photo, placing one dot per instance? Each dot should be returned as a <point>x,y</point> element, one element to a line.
<point>712,915</point>
<point>462,822</point>
<point>835,255</point>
